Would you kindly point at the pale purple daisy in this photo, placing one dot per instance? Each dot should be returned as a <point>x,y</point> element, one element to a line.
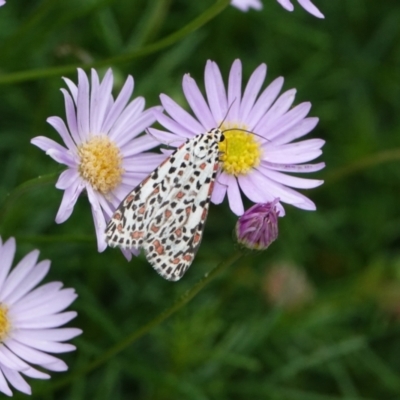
<point>104,153</point>
<point>245,5</point>
<point>30,320</point>
<point>259,127</point>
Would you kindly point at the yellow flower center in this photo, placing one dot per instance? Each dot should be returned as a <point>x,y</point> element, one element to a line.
<point>240,151</point>
<point>101,162</point>
<point>4,323</point>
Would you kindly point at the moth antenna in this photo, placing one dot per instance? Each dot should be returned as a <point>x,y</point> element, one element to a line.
<point>227,113</point>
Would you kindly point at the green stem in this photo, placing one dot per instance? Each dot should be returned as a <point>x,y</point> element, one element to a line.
<point>25,187</point>
<point>192,26</point>
<point>160,318</point>
<point>364,163</point>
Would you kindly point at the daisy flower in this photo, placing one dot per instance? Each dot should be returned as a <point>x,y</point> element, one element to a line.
<point>30,320</point>
<point>245,5</point>
<point>104,153</point>
<point>257,153</point>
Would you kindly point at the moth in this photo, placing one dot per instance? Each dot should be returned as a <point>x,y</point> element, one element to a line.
<point>166,213</point>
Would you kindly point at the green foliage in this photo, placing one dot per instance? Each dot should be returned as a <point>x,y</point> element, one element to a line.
<point>245,335</point>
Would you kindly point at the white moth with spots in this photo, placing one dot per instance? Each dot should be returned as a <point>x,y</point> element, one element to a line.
<point>166,213</point>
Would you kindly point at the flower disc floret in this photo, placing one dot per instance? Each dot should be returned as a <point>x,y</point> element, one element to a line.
<point>240,152</point>
<point>4,322</point>
<point>101,163</point>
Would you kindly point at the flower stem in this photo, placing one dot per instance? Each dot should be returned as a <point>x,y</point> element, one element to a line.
<point>364,163</point>
<point>160,318</point>
<point>192,26</point>
<point>23,188</point>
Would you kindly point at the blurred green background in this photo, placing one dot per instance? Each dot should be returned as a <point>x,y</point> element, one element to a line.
<point>316,316</point>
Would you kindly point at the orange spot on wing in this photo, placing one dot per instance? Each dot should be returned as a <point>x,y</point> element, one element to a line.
<point>211,188</point>
<point>168,213</point>
<point>187,157</point>
<point>142,210</point>
<point>202,165</point>
<point>158,247</point>
<point>178,232</point>
<point>176,261</point>
<point>180,195</point>
<point>137,234</point>
<point>196,238</point>
<point>154,228</point>
<point>187,257</point>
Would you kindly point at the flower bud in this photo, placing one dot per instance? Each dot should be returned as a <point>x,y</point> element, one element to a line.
<point>257,228</point>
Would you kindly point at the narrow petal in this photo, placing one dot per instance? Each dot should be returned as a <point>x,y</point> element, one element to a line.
<point>300,129</point>
<point>301,168</point>
<point>4,388</point>
<point>19,273</point>
<point>99,220</point>
<point>7,252</point>
<point>31,280</point>
<point>292,181</point>
<point>197,103</point>
<point>215,90</point>
<point>308,6</point>
<point>119,105</point>
<point>286,4</point>
<point>16,380</point>
<point>174,126</point>
<point>234,197</point>
<point>69,199</point>
<point>234,91</point>
<point>58,335</point>
<point>62,157</point>
<point>252,90</point>
<point>46,144</point>
<point>70,113</point>
<point>49,321</point>
<point>220,188</point>
<point>59,125</point>
<point>72,88</point>
<point>264,102</point>
<point>67,178</point>
<point>82,106</point>
<point>180,115</point>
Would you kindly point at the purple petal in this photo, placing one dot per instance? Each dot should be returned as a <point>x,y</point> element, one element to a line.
<point>67,178</point>
<point>31,280</point>
<point>70,113</point>
<point>300,129</point>
<point>98,218</point>
<point>234,197</point>
<point>253,87</point>
<point>220,188</point>
<point>120,103</point>
<point>72,88</point>
<point>62,157</point>
<point>16,380</point>
<point>82,107</point>
<point>180,115</point>
<point>49,321</point>
<point>264,102</point>
<point>288,180</point>
<point>287,121</point>
<point>234,91</point>
<point>69,199</point>
<point>173,126</point>
<point>308,6</point>
<point>215,90</point>
<point>7,252</point>
<point>302,168</point>
<point>197,103</point>
<point>286,4</point>
<point>59,125</point>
